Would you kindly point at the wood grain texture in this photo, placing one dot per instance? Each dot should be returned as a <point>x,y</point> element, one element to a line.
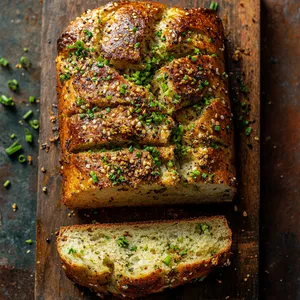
<point>240,281</point>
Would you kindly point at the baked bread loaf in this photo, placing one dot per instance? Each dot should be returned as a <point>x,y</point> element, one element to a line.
<point>144,111</point>
<point>135,259</point>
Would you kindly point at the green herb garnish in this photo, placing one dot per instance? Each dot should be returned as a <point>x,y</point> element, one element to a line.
<point>28,136</point>
<point>214,6</point>
<point>22,158</point>
<point>94,177</point>
<point>123,242</point>
<point>27,115</point>
<point>25,62</point>
<point>167,260</point>
<point>13,84</point>
<point>6,101</point>
<point>13,148</point>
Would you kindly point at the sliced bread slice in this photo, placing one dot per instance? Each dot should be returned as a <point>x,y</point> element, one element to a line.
<point>135,259</point>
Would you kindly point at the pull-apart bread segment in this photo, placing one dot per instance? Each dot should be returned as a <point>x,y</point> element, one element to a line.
<point>137,80</point>
<point>132,260</point>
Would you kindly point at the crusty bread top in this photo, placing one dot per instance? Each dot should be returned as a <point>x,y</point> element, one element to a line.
<point>138,74</point>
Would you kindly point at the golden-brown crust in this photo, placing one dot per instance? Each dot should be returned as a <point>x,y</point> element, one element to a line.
<point>207,126</point>
<point>129,288</point>
<point>118,126</point>
<point>158,62</point>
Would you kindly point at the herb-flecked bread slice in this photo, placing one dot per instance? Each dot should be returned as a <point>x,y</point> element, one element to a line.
<point>131,260</point>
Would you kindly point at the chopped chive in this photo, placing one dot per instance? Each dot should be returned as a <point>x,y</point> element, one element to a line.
<point>6,184</point>
<point>22,158</point>
<point>214,55</point>
<point>109,97</point>
<point>170,164</point>
<point>206,83</point>
<point>31,99</point>
<point>28,136</point>
<point>134,29</point>
<point>25,49</point>
<point>217,128</point>
<point>188,40</point>
<point>88,33</point>
<point>182,253</point>
<point>214,6</point>
<point>94,177</point>
<point>12,136</point>
<point>35,124</point>
<point>3,62</point>
<point>167,260</point>
<point>248,130</point>
<point>130,149</point>
<point>133,248</point>
<point>13,148</point>
<point>71,250</point>
<point>123,242</point>
<point>25,62</point>
<point>27,115</point>
<point>7,101</point>
<point>107,109</point>
<point>204,175</point>
<point>13,84</point>
<point>29,242</point>
<point>137,45</point>
<point>197,51</point>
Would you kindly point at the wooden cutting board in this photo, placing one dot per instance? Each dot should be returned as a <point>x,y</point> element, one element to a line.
<point>240,280</point>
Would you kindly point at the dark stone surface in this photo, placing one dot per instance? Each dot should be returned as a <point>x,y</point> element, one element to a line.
<point>279,277</point>
<point>20,27</point>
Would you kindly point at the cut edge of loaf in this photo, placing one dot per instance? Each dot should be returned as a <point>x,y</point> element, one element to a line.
<point>164,277</point>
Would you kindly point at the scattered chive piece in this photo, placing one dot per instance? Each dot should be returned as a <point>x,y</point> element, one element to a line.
<point>134,29</point>
<point>170,164</point>
<point>12,136</point>
<point>25,62</point>
<point>25,49</point>
<point>137,45</point>
<point>6,184</point>
<point>214,55</point>
<point>167,260</point>
<point>27,115</point>
<point>204,175</point>
<point>133,248</point>
<point>188,40</point>
<point>28,136</point>
<point>35,124</point>
<point>107,109</point>
<point>217,128</point>
<point>109,97</point>
<point>94,177</point>
<point>7,101</point>
<point>182,253</point>
<point>13,84</point>
<point>3,62</point>
<point>13,148</point>
<point>123,242</point>
<point>22,158</point>
<point>31,99</point>
<point>130,149</point>
<point>29,242</point>
<point>71,250</point>
<point>88,33</point>
<point>214,6</point>
<point>248,130</point>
